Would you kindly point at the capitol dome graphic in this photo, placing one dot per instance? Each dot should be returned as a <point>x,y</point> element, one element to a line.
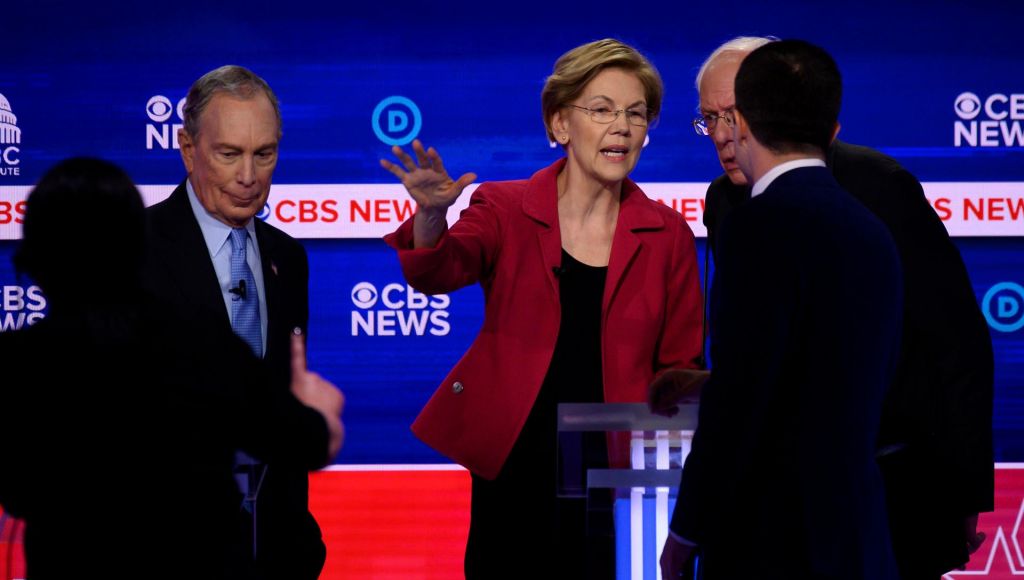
<point>9,131</point>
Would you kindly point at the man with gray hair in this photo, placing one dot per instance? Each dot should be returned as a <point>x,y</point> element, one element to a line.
<point>209,257</point>
<point>935,442</point>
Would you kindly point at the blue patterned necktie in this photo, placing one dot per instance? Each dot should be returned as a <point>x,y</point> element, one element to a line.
<point>245,300</point>
<point>245,321</point>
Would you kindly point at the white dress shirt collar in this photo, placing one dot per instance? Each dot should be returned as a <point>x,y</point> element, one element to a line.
<point>767,179</point>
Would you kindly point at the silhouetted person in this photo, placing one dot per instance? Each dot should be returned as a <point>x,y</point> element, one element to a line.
<point>119,426</point>
<point>935,442</point>
<point>781,481</point>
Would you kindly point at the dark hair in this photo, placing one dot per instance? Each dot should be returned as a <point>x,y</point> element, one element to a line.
<point>790,94</point>
<point>84,232</point>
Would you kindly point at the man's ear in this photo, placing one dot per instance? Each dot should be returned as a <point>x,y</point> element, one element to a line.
<point>835,132</point>
<point>187,148</point>
<point>741,130</point>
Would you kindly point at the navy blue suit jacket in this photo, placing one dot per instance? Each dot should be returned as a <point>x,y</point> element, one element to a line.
<point>939,408</point>
<point>782,480</point>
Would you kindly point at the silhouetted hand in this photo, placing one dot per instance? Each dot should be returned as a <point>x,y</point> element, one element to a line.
<point>675,387</point>
<point>674,557</point>
<point>317,393</point>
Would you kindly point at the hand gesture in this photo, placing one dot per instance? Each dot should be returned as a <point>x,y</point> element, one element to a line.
<point>317,393</point>
<point>974,538</point>
<point>675,558</point>
<point>675,387</point>
<point>428,183</point>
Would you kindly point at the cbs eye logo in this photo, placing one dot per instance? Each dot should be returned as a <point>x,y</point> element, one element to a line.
<point>161,130</point>
<point>967,106</point>
<point>398,310</point>
<point>159,108</point>
<point>364,295</point>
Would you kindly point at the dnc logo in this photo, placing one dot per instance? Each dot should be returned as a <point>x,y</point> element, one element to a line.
<point>1003,306</point>
<point>396,120</point>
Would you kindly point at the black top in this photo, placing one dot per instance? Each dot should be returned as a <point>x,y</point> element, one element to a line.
<point>519,511</point>
<point>575,372</point>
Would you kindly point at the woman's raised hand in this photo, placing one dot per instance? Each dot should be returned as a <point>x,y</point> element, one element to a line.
<point>426,179</point>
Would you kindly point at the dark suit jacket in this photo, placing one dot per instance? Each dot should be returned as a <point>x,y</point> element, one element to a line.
<point>122,423</point>
<point>180,271</point>
<point>940,404</point>
<point>782,481</point>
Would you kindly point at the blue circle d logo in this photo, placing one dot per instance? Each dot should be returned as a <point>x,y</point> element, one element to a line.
<point>1003,306</point>
<point>396,120</point>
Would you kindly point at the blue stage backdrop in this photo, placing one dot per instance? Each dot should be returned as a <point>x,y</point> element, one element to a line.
<point>938,85</point>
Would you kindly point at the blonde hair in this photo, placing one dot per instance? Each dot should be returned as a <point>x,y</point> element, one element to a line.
<point>574,69</point>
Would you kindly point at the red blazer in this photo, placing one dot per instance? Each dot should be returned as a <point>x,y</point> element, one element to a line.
<point>508,240</point>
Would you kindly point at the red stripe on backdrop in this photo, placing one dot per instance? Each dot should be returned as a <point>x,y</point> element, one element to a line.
<point>384,525</point>
<point>12,560</point>
<point>1001,556</point>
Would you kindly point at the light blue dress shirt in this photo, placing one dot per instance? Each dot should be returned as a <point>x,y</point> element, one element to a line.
<point>217,236</point>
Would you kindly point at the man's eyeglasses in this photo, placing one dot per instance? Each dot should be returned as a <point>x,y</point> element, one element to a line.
<point>705,124</point>
<point>606,115</point>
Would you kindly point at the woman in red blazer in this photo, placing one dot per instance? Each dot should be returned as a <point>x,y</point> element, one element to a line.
<point>591,289</point>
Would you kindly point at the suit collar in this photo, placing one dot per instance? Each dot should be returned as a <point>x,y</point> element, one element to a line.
<point>183,250</point>
<point>540,201</point>
<point>740,193</point>
<point>180,247</point>
<point>772,174</point>
<point>802,177</point>
<point>636,213</point>
<point>180,208</point>
<point>266,242</point>
<point>174,221</point>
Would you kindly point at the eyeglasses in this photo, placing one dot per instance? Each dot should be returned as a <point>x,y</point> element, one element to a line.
<point>604,115</point>
<point>705,124</point>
